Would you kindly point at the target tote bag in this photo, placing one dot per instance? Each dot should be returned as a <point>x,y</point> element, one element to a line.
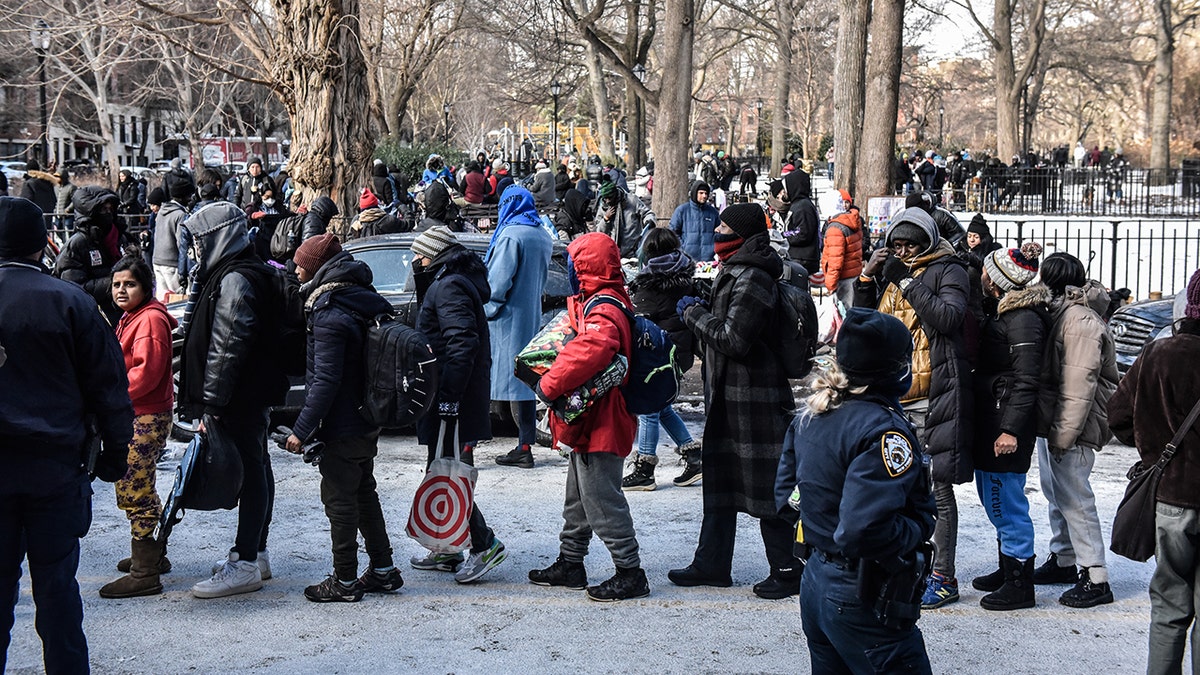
<point>441,509</point>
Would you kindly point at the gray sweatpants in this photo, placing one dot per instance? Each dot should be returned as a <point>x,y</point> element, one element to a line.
<point>595,503</point>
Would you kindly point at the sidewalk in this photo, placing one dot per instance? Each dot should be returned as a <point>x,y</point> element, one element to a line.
<point>504,624</point>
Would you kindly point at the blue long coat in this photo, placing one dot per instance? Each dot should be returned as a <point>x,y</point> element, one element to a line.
<point>517,273</point>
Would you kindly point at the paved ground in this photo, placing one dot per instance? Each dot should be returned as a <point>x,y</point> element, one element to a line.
<point>504,624</point>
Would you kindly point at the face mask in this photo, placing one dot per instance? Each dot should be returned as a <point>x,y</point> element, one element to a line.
<point>268,202</point>
<point>724,238</point>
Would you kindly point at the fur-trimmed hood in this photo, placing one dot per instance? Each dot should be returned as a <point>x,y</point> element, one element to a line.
<point>51,178</point>
<point>1030,297</point>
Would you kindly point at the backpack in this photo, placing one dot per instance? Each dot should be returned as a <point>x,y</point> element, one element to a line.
<point>798,332</point>
<point>653,381</point>
<point>286,238</point>
<point>401,379</point>
<point>209,477</point>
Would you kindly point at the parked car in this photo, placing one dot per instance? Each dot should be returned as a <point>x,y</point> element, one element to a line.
<point>140,171</point>
<point>1136,324</point>
<point>13,170</point>
<point>160,166</point>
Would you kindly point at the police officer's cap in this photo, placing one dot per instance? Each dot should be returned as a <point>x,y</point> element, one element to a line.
<point>873,347</point>
<point>22,228</point>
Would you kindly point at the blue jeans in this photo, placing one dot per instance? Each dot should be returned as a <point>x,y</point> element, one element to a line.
<point>1004,501</point>
<point>648,430</point>
<point>844,636</point>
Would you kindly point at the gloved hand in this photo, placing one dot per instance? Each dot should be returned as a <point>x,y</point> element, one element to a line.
<point>257,215</point>
<point>537,390</point>
<point>112,463</point>
<point>894,270</point>
<point>687,301</point>
<point>448,410</point>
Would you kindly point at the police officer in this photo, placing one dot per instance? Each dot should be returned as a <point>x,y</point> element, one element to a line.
<point>61,363</point>
<point>865,501</point>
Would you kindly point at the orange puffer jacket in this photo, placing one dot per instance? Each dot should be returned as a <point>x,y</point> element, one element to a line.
<point>842,257</point>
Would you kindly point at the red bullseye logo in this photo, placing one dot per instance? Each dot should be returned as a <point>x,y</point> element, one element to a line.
<point>442,512</point>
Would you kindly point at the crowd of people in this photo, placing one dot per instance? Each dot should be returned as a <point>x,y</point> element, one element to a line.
<point>956,359</point>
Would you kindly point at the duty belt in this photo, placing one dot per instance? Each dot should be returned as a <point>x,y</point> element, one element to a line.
<point>839,561</point>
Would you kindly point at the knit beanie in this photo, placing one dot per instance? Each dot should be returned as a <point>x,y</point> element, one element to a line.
<point>746,220</point>
<point>1013,268</point>
<point>316,251</point>
<point>979,226</point>
<point>156,197</point>
<point>22,228</point>
<point>909,232</point>
<point>432,242</point>
<point>367,200</point>
<point>873,347</point>
<point>607,187</point>
<point>1192,311</point>
<point>920,199</point>
<point>179,184</point>
<point>845,195</point>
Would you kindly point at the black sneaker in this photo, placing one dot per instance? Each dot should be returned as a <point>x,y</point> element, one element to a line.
<point>694,576</point>
<point>626,584</point>
<point>332,590</point>
<point>777,588</point>
<point>1086,594</point>
<point>520,456</point>
<point>563,573</point>
<point>1050,572</point>
<point>380,582</point>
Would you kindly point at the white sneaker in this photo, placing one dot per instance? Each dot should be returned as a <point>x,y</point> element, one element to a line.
<point>235,576</point>
<point>264,563</point>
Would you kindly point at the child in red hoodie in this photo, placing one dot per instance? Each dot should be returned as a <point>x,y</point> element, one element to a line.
<point>144,332</point>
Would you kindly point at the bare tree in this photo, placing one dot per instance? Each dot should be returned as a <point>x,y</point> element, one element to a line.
<point>874,158</point>
<point>671,141</point>
<point>848,82</point>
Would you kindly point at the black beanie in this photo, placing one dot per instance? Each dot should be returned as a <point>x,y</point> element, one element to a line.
<point>179,185</point>
<point>156,197</point>
<point>909,232</point>
<point>979,226</point>
<point>746,220</point>
<point>873,347</point>
<point>22,228</point>
<point>920,199</point>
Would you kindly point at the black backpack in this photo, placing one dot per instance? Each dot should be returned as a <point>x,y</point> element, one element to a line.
<point>286,238</point>
<point>798,331</point>
<point>401,379</point>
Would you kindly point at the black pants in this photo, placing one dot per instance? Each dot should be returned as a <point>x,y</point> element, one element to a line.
<point>248,432</point>
<point>482,536</point>
<point>352,504</point>
<point>714,553</point>
<point>47,529</point>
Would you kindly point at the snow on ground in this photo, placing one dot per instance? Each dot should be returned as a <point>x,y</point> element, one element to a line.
<point>503,624</point>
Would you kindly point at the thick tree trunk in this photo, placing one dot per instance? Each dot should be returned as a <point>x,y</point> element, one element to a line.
<point>883,91</point>
<point>332,143</point>
<point>848,73</point>
<point>1008,93</point>
<point>671,142</point>
<point>600,102</point>
<point>1160,115</point>
<point>784,20</point>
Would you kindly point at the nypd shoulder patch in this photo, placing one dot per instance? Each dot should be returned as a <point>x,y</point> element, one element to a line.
<point>897,453</point>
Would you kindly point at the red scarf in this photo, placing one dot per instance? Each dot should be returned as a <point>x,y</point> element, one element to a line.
<point>725,249</point>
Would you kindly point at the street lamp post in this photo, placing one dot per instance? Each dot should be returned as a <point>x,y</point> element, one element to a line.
<point>446,123</point>
<point>555,90</point>
<point>638,155</point>
<point>941,127</point>
<point>758,106</point>
<point>39,37</point>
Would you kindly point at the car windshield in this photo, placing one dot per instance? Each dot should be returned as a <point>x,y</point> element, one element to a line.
<point>391,267</point>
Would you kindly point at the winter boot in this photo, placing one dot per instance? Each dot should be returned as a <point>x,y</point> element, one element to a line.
<point>1051,572</point>
<point>1017,590</point>
<point>694,576</point>
<point>143,572</point>
<point>563,572</point>
<point>642,476</point>
<point>627,584</point>
<point>164,564</point>
<point>780,584</point>
<point>693,471</point>
<point>993,581</point>
<point>520,456</point>
<point>1089,591</point>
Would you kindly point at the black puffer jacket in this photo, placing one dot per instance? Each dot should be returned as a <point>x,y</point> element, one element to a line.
<point>803,224</point>
<point>1011,351</point>
<point>85,260</point>
<point>316,221</point>
<point>338,302</point>
<point>452,318</point>
<point>656,291</point>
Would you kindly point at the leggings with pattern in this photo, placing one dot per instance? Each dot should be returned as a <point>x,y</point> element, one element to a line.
<point>136,494</point>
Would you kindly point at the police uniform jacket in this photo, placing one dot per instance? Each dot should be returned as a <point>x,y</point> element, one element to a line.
<point>863,479</point>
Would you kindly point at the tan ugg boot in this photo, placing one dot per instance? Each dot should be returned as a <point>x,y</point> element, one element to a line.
<point>143,572</point>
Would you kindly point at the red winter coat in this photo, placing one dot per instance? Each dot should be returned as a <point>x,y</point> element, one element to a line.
<point>145,337</point>
<point>477,188</point>
<point>602,334</point>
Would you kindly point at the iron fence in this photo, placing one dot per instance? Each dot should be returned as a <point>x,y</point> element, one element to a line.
<point>1092,192</point>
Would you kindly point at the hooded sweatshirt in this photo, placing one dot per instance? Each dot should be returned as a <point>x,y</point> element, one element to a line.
<point>145,337</point>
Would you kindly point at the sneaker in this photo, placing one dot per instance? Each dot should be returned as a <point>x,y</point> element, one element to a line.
<point>563,573</point>
<point>941,590</point>
<point>264,563</point>
<point>439,562</point>
<point>777,587</point>
<point>694,576</point>
<point>520,456</point>
<point>1086,594</point>
<point>626,584</point>
<point>234,577</point>
<point>332,590</point>
<point>479,564</point>
<point>1051,572</point>
<point>641,478</point>
<point>380,582</point>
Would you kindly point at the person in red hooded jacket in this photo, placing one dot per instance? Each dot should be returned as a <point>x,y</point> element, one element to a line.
<point>597,443</point>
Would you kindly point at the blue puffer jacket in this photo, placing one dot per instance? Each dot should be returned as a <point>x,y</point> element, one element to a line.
<point>696,225</point>
<point>339,302</point>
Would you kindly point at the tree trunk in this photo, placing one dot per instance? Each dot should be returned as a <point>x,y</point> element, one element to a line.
<point>883,91</point>
<point>600,102</point>
<point>784,21</point>
<point>1008,105</point>
<point>327,101</point>
<point>1160,115</point>
<point>848,72</point>
<point>671,142</point>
